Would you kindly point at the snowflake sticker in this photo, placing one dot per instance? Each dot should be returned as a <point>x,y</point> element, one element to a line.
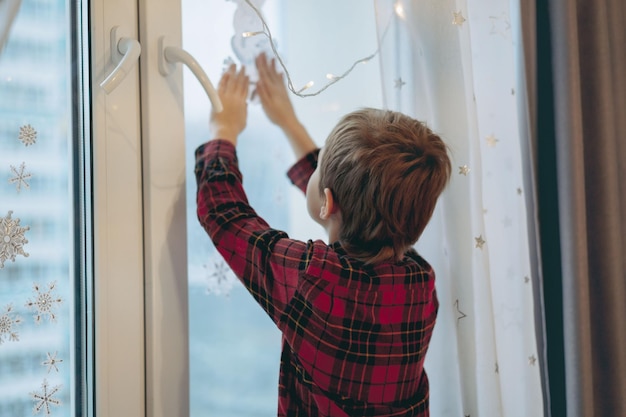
<point>8,323</point>
<point>12,239</point>
<point>221,278</point>
<point>44,303</point>
<point>52,362</point>
<point>45,398</point>
<point>28,135</point>
<point>20,177</point>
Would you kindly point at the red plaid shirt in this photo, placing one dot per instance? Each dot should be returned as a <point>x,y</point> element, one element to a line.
<point>354,335</point>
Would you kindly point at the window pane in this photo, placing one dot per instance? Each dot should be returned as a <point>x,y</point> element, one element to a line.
<point>234,346</point>
<point>37,214</point>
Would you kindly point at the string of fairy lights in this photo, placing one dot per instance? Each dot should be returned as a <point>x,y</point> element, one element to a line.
<point>332,78</point>
<point>399,12</point>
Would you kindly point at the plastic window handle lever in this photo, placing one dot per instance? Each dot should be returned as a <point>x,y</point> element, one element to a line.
<point>129,50</point>
<point>170,55</point>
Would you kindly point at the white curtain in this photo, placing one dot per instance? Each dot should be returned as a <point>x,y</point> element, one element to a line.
<point>455,65</point>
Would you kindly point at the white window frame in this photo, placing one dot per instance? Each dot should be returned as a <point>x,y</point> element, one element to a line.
<point>139,232</point>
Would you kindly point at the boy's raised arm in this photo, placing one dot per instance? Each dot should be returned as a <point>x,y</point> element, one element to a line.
<point>233,92</point>
<point>265,259</point>
<point>278,108</point>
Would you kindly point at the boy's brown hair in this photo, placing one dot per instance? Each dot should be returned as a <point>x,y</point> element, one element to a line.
<point>386,171</point>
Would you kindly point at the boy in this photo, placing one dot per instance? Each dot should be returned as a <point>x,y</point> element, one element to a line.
<point>356,315</point>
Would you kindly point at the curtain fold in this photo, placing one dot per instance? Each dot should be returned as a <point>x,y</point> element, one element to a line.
<point>588,74</point>
<point>458,66</point>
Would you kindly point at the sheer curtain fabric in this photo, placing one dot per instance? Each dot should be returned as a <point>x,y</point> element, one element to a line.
<point>456,66</point>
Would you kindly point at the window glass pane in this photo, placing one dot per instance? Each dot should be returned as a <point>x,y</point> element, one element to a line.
<point>234,346</point>
<point>37,343</point>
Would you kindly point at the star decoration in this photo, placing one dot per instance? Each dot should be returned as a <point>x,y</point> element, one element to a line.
<point>532,360</point>
<point>12,239</point>
<point>221,279</point>
<point>458,18</point>
<point>480,242</point>
<point>519,191</point>
<point>500,25</point>
<point>461,315</point>
<point>512,91</point>
<point>52,362</point>
<point>28,135</point>
<point>464,170</point>
<point>20,177</point>
<point>44,303</point>
<point>526,279</point>
<point>8,323</point>
<point>45,398</point>
<point>399,83</point>
<point>492,141</point>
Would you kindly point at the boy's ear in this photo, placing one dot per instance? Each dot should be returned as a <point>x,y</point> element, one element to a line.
<point>328,204</point>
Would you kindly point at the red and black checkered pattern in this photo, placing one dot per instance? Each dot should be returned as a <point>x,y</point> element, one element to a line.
<point>354,335</point>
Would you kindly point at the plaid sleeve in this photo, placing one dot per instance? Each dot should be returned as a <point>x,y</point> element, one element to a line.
<point>264,259</point>
<point>302,170</point>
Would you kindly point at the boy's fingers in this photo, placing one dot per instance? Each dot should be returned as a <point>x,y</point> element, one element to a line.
<point>223,82</point>
<point>227,76</point>
<point>261,65</point>
<point>242,80</point>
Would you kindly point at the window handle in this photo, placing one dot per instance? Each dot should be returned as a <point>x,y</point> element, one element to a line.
<point>170,55</point>
<point>125,53</point>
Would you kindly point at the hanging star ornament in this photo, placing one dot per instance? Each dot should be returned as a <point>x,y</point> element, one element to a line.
<point>464,170</point>
<point>12,239</point>
<point>45,398</point>
<point>532,360</point>
<point>28,135</point>
<point>460,314</point>
<point>492,141</point>
<point>500,25</point>
<point>458,18</point>
<point>44,303</point>
<point>480,242</point>
<point>20,177</point>
<point>399,83</point>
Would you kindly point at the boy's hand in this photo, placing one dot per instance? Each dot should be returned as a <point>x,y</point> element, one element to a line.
<point>273,93</point>
<point>278,108</point>
<point>233,92</point>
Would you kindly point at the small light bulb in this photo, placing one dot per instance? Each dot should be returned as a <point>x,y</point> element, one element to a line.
<point>250,34</point>
<point>306,86</point>
<point>399,8</point>
<point>330,76</point>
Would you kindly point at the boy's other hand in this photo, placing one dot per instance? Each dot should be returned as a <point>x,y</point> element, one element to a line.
<point>275,100</point>
<point>273,93</point>
<point>233,92</point>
